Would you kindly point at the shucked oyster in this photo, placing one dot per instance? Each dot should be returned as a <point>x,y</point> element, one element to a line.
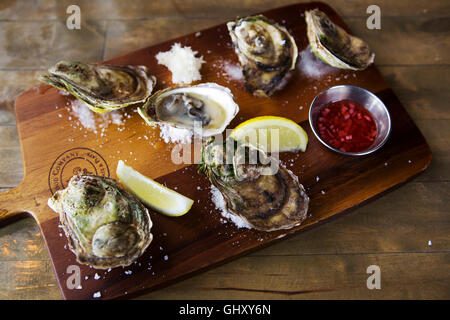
<point>266,52</point>
<point>333,45</point>
<point>106,225</point>
<point>102,87</point>
<point>267,196</point>
<point>206,108</point>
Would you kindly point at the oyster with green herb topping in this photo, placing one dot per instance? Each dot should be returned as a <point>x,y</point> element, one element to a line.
<point>334,46</point>
<point>256,188</point>
<point>106,226</point>
<point>266,51</point>
<point>102,87</point>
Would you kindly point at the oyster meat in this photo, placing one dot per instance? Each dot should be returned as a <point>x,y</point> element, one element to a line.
<point>265,198</point>
<point>106,226</point>
<point>206,108</point>
<point>334,46</point>
<point>266,52</point>
<point>102,87</point>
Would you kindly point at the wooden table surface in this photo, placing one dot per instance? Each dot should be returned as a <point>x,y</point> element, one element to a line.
<point>406,232</point>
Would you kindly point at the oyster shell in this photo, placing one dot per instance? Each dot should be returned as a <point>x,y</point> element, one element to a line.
<point>266,52</point>
<point>206,108</point>
<point>333,45</point>
<point>265,198</point>
<point>106,225</point>
<point>102,87</point>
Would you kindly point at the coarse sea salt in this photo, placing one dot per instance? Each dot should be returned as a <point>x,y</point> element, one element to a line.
<point>182,62</point>
<point>90,120</point>
<point>64,93</point>
<point>311,66</point>
<point>219,203</point>
<point>175,135</point>
<point>232,71</point>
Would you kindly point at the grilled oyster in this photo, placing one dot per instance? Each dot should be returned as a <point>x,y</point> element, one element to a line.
<point>102,87</point>
<point>334,46</point>
<point>265,198</point>
<point>266,52</point>
<point>106,226</point>
<point>206,108</point>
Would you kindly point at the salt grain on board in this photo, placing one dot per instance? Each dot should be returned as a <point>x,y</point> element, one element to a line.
<point>175,135</point>
<point>311,66</point>
<point>90,120</point>
<point>232,71</point>
<point>84,115</point>
<point>64,93</point>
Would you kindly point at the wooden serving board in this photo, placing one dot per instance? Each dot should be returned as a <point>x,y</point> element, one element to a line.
<point>55,146</point>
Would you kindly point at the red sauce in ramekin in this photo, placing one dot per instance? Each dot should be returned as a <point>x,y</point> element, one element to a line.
<point>347,126</point>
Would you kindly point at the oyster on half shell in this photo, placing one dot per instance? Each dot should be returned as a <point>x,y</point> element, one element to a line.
<point>265,198</point>
<point>102,87</point>
<point>266,52</point>
<point>106,226</point>
<point>205,108</point>
<point>334,46</point>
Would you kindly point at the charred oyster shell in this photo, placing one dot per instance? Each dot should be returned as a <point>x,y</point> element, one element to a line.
<point>206,108</point>
<point>265,198</point>
<point>266,52</point>
<point>106,226</point>
<point>334,46</point>
<point>102,87</point>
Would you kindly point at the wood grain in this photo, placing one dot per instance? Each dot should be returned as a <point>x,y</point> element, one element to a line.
<point>44,10</point>
<point>232,8</point>
<point>437,131</point>
<point>391,38</point>
<point>421,88</point>
<point>20,277</point>
<point>318,277</point>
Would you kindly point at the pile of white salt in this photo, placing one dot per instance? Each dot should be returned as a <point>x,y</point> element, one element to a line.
<point>91,120</point>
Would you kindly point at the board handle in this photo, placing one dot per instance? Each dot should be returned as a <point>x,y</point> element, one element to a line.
<point>10,208</point>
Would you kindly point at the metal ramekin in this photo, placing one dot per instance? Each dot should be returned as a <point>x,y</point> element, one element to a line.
<point>366,99</point>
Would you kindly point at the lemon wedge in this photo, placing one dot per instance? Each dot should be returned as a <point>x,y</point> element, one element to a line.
<point>152,193</point>
<point>272,134</point>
